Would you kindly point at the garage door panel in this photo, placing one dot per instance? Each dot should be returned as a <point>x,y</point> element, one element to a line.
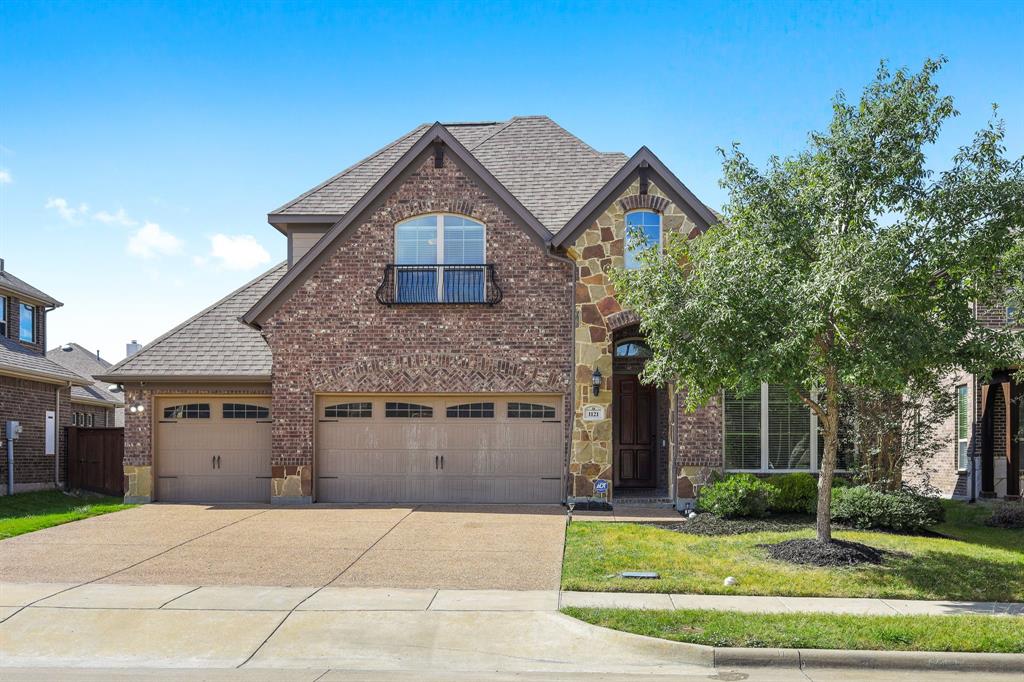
<point>490,458</point>
<point>206,457</point>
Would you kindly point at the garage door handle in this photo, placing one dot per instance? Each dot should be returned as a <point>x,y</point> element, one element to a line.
<point>213,462</point>
<point>218,461</point>
<point>435,462</point>
<point>442,462</point>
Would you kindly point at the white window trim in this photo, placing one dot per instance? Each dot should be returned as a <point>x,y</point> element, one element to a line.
<point>625,230</point>
<point>439,253</point>
<point>764,468</point>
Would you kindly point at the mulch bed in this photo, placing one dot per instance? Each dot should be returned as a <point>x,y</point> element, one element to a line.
<point>831,554</point>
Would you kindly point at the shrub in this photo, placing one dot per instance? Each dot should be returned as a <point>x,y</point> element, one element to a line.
<point>737,496</point>
<point>865,507</point>
<point>1007,515</point>
<point>795,493</point>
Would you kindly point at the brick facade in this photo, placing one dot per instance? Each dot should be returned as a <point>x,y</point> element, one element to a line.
<point>332,335</point>
<point>27,402</point>
<point>14,322</point>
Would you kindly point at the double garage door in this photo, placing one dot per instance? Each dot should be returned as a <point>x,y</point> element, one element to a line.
<point>213,449</point>
<point>416,448</point>
<point>401,448</point>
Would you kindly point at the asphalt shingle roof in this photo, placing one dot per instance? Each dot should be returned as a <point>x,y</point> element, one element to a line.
<point>549,170</point>
<point>88,364</point>
<point>19,286</point>
<point>213,343</point>
<point>16,358</point>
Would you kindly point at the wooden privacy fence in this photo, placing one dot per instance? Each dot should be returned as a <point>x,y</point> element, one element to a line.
<point>95,459</point>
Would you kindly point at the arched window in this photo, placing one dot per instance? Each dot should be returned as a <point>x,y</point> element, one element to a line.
<point>643,231</point>
<point>632,348</point>
<point>439,259</point>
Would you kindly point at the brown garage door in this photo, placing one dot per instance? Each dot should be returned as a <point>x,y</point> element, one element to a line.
<point>411,448</point>
<point>213,449</point>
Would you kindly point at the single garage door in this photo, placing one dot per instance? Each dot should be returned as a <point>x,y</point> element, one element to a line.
<point>413,448</point>
<point>213,449</point>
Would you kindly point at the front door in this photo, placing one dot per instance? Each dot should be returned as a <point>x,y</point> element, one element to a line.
<point>635,433</point>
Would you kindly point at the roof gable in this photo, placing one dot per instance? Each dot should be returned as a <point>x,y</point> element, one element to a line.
<point>78,359</point>
<point>614,187</point>
<point>22,288</point>
<point>437,134</point>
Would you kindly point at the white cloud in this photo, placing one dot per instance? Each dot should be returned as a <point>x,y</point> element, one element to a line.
<point>240,252</point>
<point>149,241</point>
<point>119,218</point>
<point>5,177</point>
<point>66,211</point>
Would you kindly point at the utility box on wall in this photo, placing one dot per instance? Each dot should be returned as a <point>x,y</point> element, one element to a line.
<point>51,433</point>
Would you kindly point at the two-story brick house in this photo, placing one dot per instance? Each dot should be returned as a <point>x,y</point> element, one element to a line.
<point>34,391</point>
<point>444,330</point>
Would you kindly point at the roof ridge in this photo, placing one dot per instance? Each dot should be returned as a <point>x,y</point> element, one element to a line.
<point>205,311</point>
<point>351,168</point>
<point>573,136</point>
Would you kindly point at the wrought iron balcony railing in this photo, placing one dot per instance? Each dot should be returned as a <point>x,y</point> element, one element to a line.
<point>458,284</point>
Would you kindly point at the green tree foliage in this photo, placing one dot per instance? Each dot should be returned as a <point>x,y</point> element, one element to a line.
<point>848,265</point>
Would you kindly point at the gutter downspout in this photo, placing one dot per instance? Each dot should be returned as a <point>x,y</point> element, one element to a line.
<point>570,419</point>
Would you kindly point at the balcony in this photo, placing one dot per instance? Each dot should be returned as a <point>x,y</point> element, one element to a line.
<point>439,284</point>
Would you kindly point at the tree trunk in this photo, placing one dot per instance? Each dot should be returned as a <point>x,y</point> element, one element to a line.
<point>829,425</point>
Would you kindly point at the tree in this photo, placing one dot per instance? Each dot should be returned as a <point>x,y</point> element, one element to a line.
<point>850,265</point>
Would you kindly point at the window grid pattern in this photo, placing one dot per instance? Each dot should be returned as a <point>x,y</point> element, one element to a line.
<point>962,427</point>
<point>743,430</point>
<point>188,411</point>
<point>643,231</point>
<point>530,411</point>
<point>410,410</point>
<point>471,411</point>
<point>349,410</point>
<point>789,431</point>
<point>245,411</point>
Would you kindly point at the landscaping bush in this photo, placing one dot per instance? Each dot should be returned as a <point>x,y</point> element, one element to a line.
<point>795,493</point>
<point>739,495</point>
<point>865,507</point>
<point>1007,515</point>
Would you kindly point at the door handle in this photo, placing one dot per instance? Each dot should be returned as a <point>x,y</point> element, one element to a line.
<point>218,461</point>
<point>435,461</point>
<point>442,462</point>
<point>213,462</point>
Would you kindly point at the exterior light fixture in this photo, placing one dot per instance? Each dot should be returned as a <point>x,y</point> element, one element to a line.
<point>595,380</point>
<point>137,407</point>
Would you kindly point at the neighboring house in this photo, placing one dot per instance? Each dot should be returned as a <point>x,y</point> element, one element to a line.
<point>34,391</point>
<point>982,447</point>
<point>444,330</point>
<point>98,405</point>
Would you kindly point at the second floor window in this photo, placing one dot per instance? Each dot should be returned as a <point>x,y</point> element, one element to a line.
<point>643,231</point>
<point>439,258</point>
<point>3,316</point>
<point>27,324</point>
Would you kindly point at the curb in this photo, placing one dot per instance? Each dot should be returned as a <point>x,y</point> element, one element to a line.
<point>887,660</point>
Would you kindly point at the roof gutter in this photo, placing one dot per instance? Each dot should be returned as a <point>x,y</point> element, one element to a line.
<point>41,377</point>
<point>204,378</point>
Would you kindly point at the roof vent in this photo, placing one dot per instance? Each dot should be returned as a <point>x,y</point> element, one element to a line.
<point>67,348</point>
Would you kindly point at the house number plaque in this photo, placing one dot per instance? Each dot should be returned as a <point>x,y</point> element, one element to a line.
<point>593,413</point>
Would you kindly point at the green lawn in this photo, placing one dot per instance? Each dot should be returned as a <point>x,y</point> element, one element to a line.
<point>992,634</point>
<point>984,564</point>
<point>26,512</point>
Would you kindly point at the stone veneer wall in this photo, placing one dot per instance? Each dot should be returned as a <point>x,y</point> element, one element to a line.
<point>695,438</point>
<point>138,427</point>
<point>332,335</point>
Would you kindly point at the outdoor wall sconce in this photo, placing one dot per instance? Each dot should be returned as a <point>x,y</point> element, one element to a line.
<point>595,380</point>
<point>137,407</point>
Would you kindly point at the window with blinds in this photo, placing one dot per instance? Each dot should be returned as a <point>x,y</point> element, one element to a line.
<point>789,430</point>
<point>962,427</point>
<point>743,430</point>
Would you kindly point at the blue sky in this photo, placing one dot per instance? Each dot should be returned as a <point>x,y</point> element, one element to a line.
<point>141,145</point>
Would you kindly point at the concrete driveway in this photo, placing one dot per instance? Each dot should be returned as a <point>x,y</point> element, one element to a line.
<point>473,547</point>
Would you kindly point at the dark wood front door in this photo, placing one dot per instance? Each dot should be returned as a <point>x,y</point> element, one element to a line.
<point>635,409</point>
